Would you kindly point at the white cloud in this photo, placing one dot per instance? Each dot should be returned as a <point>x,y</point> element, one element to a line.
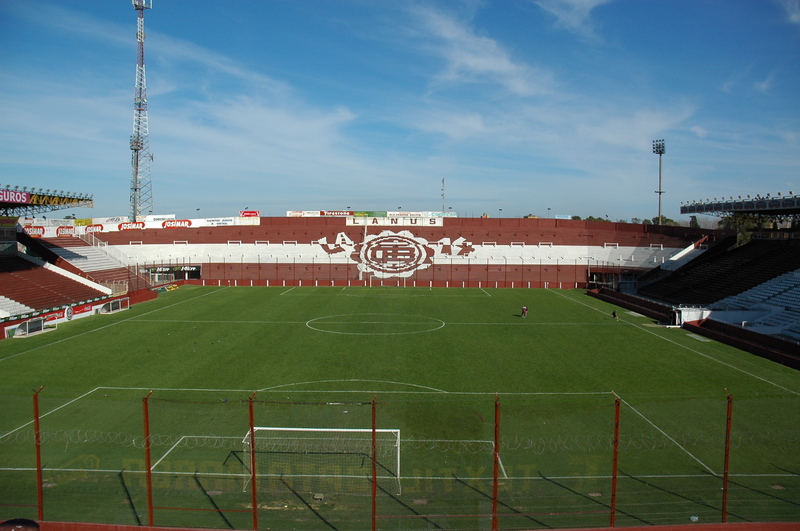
<point>765,84</point>
<point>574,15</point>
<point>473,58</point>
<point>699,131</point>
<point>792,8</point>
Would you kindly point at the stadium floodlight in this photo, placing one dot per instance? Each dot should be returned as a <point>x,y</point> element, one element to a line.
<point>659,149</point>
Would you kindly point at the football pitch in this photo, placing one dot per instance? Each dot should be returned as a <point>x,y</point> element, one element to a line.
<point>444,373</point>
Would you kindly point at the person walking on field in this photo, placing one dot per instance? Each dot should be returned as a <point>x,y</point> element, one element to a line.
<point>524,311</point>
<point>614,315</point>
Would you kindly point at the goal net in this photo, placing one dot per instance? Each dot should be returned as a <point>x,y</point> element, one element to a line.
<point>323,460</point>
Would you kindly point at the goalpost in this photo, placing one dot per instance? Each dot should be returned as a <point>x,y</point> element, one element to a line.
<point>320,460</point>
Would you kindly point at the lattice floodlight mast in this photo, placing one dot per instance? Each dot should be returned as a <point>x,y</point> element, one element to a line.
<point>141,180</point>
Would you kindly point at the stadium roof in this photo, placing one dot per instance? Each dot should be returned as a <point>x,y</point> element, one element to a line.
<point>25,202</point>
<point>778,205</point>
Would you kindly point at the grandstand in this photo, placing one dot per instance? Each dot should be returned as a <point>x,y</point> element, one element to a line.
<point>748,296</point>
<point>661,270</point>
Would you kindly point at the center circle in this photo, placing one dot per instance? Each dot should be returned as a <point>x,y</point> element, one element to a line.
<point>375,324</point>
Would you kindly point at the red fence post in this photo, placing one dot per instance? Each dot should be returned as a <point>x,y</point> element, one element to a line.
<point>727,459</point>
<point>253,475</point>
<point>147,464</point>
<point>38,441</point>
<point>496,467</point>
<point>615,463</point>
<point>375,463</point>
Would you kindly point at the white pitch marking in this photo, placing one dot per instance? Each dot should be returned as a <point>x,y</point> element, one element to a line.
<point>692,350</point>
<point>662,432</point>
<point>51,411</point>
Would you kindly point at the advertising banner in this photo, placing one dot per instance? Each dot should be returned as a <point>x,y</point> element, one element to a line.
<point>14,196</point>
<point>395,221</point>
<point>176,224</point>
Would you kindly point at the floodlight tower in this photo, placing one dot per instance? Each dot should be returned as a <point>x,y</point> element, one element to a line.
<point>141,181</point>
<point>659,149</point>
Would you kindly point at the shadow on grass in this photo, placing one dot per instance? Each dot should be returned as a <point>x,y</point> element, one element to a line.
<point>507,506</point>
<point>649,483</point>
<point>593,500</point>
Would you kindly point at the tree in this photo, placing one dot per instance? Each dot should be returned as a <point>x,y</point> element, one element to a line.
<point>664,221</point>
<point>743,224</point>
<point>693,223</point>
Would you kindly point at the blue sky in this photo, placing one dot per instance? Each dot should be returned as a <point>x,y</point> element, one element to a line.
<point>546,107</point>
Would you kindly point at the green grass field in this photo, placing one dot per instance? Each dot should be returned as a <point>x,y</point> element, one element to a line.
<point>434,361</point>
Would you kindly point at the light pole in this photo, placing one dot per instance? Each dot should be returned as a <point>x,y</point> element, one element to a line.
<point>658,149</point>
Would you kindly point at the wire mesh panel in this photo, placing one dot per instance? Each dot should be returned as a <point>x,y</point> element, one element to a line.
<point>671,459</point>
<point>84,442</point>
<point>313,458</point>
<point>17,457</point>
<point>437,460</point>
<point>764,482</point>
<point>557,450</point>
<point>196,462</point>
<point>446,461</point>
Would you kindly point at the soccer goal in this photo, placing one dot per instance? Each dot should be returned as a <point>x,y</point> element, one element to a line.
<point>323,460</point>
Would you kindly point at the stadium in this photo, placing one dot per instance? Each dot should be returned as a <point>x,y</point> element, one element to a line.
<point>392,370</point>
<point>136,336</point>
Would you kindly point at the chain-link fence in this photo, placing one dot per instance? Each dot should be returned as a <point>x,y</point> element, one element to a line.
<point>343,460</point>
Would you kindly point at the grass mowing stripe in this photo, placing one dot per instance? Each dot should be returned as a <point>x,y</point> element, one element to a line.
<point>104,327</point>
<point>662,432</point>
<point>719,361</point>
<point>51,411</point>
<point>693,350</point>
<point>408,477</point>
<point>434,386</point>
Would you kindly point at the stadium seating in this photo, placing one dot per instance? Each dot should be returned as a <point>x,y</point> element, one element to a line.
<point>774,306</point>
<point>37,288</point>
<point>81,254</point>
<point>703,282</point>
<point>98,265</point>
